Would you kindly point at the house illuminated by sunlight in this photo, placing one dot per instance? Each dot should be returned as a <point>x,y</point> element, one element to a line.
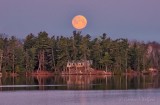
<point>80,66</point>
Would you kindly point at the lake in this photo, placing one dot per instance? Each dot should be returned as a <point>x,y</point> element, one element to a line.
<point>80,90</point>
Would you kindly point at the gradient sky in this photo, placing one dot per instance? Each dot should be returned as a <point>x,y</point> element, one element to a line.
<point>133,19</point>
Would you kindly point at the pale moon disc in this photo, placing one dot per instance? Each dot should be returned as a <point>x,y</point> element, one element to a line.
<point>79,22</point>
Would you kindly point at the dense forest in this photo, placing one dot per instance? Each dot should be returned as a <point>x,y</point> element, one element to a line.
<point>41,52</point>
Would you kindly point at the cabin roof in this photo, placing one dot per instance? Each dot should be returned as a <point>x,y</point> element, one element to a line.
<point>79,61</point>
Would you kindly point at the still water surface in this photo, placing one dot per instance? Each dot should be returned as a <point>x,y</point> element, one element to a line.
<point>81,82</point>
<point>116,97</point>
<point>80,90</point>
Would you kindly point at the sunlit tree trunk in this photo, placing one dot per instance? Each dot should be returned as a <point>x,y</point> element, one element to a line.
<point>1,58</point>
<point>41,60</point>
<point>53,60</point>
<point>13,62</point>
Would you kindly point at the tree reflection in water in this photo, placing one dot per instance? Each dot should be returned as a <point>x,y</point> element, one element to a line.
<point>0,83</point>
<point>79,82</point>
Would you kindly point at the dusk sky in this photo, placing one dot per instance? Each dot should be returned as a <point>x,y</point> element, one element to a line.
<point>133,19</point>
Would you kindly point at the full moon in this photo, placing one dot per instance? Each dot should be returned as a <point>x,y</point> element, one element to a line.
<point>79,22</point>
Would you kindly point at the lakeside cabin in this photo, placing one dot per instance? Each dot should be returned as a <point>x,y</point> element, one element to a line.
<point>82,67</point>
<point>78,67</point>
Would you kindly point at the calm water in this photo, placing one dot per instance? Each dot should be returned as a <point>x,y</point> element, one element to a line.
<point>75,82</point>
<point>116,97</point>
<point>80,90</point>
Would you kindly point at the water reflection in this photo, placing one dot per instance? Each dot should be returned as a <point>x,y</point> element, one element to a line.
<point>41,81</point>
<point>79,82</point>
<point>0,83</point>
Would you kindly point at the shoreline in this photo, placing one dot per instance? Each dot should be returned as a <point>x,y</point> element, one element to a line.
<point>45,73</point>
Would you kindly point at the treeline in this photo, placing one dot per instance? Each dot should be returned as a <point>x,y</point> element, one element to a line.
<point>41,52</point>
